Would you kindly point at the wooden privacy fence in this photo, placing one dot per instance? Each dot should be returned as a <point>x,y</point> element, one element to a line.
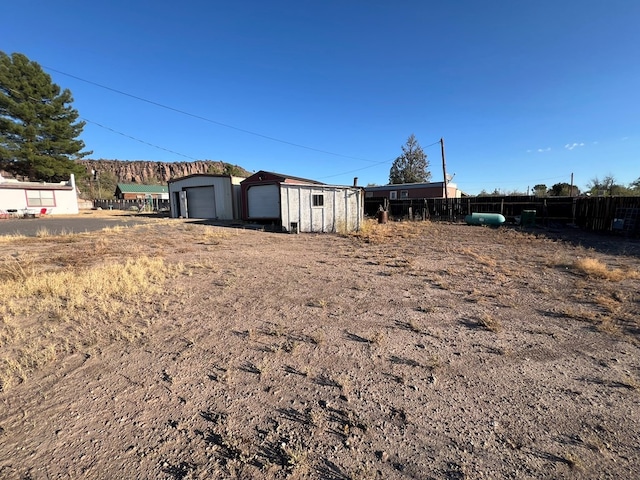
<point>590,213</point>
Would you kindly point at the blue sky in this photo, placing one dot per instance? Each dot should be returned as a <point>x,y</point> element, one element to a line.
<point>523,92</point>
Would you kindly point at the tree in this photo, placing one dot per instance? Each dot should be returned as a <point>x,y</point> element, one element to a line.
<point>602,187</point>
<point>540,190</point>
<point>233,170</point>
<point>496,193</point>
<point>106,183</point>
<point>411,166</point>
<point>563,189</point>
<point>635,186</point>
<point>38,127</point>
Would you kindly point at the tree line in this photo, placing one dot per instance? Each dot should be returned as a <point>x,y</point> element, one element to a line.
<point>607,186</point>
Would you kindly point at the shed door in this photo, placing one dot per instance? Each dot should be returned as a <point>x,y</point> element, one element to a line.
<point>264,201</point>
<point>201,202</point>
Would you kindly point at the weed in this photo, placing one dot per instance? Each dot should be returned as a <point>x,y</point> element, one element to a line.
<point>478,258</point>
<point>42,232</point>
<point>629,382</point>
<point>295,456</point>
<point>289,346</point>
<point>317,303</point>
<point>317,337</point>
<point>607,325</point>
<point>582,315</point>
<point>17,268</point>
<point>275,330</point>
<point>414,327</point>
<point>433,362</point>
<point>377,338</point>
<point>316,417</point>
<point>592,267</point>
<point>573,461</point>
<point>489,323</point>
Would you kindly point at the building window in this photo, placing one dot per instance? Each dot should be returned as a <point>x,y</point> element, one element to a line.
<point>40,198</point>
<point>404,193</point>
<point>393,195</point>
<point>318,200</point>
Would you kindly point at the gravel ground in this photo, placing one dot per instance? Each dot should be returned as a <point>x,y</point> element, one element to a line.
<point>419,351</point>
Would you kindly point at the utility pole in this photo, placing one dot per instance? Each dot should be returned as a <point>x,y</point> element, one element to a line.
<point>571,191</point>
<point>444,173</point>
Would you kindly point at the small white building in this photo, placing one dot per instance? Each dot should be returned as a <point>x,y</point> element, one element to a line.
<point>320,208</point>
<point>301,205</point>
<point>206,196</point>
<point>38,198</point>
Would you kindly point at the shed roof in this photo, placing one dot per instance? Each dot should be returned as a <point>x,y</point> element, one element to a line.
<point>279,177</point>
<point>199,175</point>
<point>137,188</point>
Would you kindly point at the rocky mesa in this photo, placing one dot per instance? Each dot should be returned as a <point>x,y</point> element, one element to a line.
<point>141,171</point>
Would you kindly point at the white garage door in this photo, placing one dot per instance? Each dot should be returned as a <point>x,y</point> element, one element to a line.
<point>264,201</point>
<point>201,202</point>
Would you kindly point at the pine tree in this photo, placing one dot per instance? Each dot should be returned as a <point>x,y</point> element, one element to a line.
<point>411,166</point>
<point>38,127</point>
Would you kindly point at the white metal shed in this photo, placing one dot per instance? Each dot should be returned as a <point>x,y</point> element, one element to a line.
<point>320,208</point>
<point>205,196</point>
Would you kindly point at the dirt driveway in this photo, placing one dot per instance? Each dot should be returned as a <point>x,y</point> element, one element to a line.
<point>417,351</point>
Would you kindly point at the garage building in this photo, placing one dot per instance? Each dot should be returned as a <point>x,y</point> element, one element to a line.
<point>301,205</point>
<point>205,196</point>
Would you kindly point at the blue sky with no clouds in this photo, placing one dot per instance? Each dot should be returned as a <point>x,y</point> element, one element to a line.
<point>522,92</point>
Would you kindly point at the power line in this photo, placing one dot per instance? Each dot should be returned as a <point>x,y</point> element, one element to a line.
<point>137,139</point>
<point>205,119</point>
<point>371,166</point>
<point>111,129</point>
<point>151,102</point>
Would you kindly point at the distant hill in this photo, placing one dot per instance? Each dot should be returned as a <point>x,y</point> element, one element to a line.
<point>141,171</point>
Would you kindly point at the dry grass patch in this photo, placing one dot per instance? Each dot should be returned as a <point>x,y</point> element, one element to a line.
<point>479,258</point>
<point>608,326</point>
<point>373,232</point>
<point>46,314</point>
<point>594,268</point>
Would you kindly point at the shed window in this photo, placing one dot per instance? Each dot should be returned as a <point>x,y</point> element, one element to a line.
<point>393,195</point>
<point>40,198</point>
<point>404,193</point>
<point>318,200</point>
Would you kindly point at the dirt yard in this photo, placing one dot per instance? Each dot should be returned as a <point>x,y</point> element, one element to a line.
<point>413,351</point>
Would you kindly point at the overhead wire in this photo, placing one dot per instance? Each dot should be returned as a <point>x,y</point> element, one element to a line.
<point>199,117</point>
<point>371,166</point>
<point>206,119</point>
<point>137,139</point>
<point>111,129</point>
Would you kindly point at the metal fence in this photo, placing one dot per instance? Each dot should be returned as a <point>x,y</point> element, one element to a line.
<point>590,213</point>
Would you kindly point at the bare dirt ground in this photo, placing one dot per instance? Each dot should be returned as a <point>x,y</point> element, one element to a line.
<point>415,351</point>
